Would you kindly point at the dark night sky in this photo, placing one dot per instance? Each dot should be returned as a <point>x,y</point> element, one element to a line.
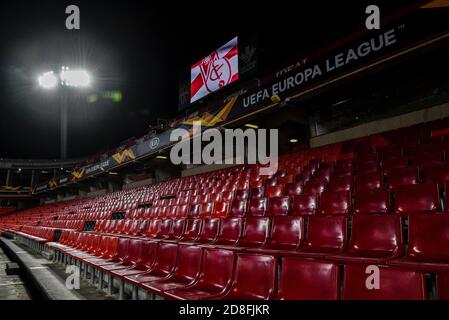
<point>139,48</point>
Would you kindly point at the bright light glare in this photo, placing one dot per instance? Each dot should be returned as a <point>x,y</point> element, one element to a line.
<point>74,78</point>
<point>48,80</point>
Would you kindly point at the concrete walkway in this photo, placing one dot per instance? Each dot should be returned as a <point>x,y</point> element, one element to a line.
<point>11,286</point>
<point>48,283</point>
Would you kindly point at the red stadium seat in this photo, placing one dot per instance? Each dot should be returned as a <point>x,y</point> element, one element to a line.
<point>369,180</point>
<point>214,279</point>
<point>393,163</point>
<point>140,261</point>
<point>164,230</point>
<point>185,273</point>
<point>338,184</point>
<point>230,231</point>
<point>257,207</point>
<point>194,211</point>
<point>257,193</point>
<point>162,267</point>
<point>182,211</point>
<point>209,231</point>
<point>343,168</point>
<point>242,195</point>
<point>325,235</point>
<point>274,191</point>
<point>144,262</point>
<point>128,259</point>
<point>375,239</point>
<point>302,279</point>
<point>192,230</point>
<point>178,227</point>
<point>395,284</point>
<point>437,174</point>
<point>255,232</point>
<point>221,210</point>
<point>206,210</point>
<point>428,246</point>
<point>427,158</point>
<point>315,187</point>
<point>286,233</point>
<point>238,208</point>
<point>402,177</point>
<point>278,206</point>
<point>293,189</point>
<point>420,198</point>
<point>372,201</point>
<point>335,203</point>
<point>254,278</point>
<point>154,228</point>
<point>303,205</point>
<point>368,167</point>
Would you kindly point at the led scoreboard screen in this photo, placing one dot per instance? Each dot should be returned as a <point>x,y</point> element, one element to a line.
<point>215,71</point>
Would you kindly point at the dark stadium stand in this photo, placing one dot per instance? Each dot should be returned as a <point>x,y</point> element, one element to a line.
<point>307,232</point>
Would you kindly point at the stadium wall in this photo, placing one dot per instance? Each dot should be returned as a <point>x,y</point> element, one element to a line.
<point>378,126</point>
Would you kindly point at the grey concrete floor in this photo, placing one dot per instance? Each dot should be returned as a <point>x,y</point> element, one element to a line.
<point>11,286</point>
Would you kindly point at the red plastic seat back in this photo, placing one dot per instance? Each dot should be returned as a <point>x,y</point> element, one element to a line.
<point>429,238</point>
<point>326,234</point>
<point>274,191</point>
<point>209,231</point>
<point>134,251</point>
<point>193,228</point>
<point>188,262</point>
<point>216,269</point>
<point>372,201</point>
<point>257,207</point>
<point>255,232</point>
<point>394,284</point>
<point>368,180</point>
<point>338,184</point>
<point>254,277</point>
<point>148,255</point>
<point>420,198</point>
<point>178,227</point>
<point>164,231</point>
<point>335,203</point>
<point>293,189</point>
<point>278,206</point>
<point>122,248</point>
<point>166,257</point>
<point>286,233</point>
<point>376,234</point>
<point>238,208</point>
<point>221,209</point>
<point>230,231</point>
<point>402,177</point>
<point>302,279</point>
<point>304,204</point>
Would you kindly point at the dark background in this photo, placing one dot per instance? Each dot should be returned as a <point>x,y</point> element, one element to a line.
<point>142,49</point>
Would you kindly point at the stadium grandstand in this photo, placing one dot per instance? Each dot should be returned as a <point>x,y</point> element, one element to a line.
<point>343,194</point>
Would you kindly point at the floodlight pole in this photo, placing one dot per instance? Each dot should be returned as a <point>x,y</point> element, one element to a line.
<point>63,122</point>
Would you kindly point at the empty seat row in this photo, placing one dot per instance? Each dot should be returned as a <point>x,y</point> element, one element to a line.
<point>196,273</point>
<point>375,239</point>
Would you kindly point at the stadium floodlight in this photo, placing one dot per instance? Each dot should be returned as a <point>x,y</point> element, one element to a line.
<point>74,78</point>
<point>48,80</point>
<point>78,78</point>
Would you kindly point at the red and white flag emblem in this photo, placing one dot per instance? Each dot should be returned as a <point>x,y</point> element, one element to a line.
<point>215,71</point>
